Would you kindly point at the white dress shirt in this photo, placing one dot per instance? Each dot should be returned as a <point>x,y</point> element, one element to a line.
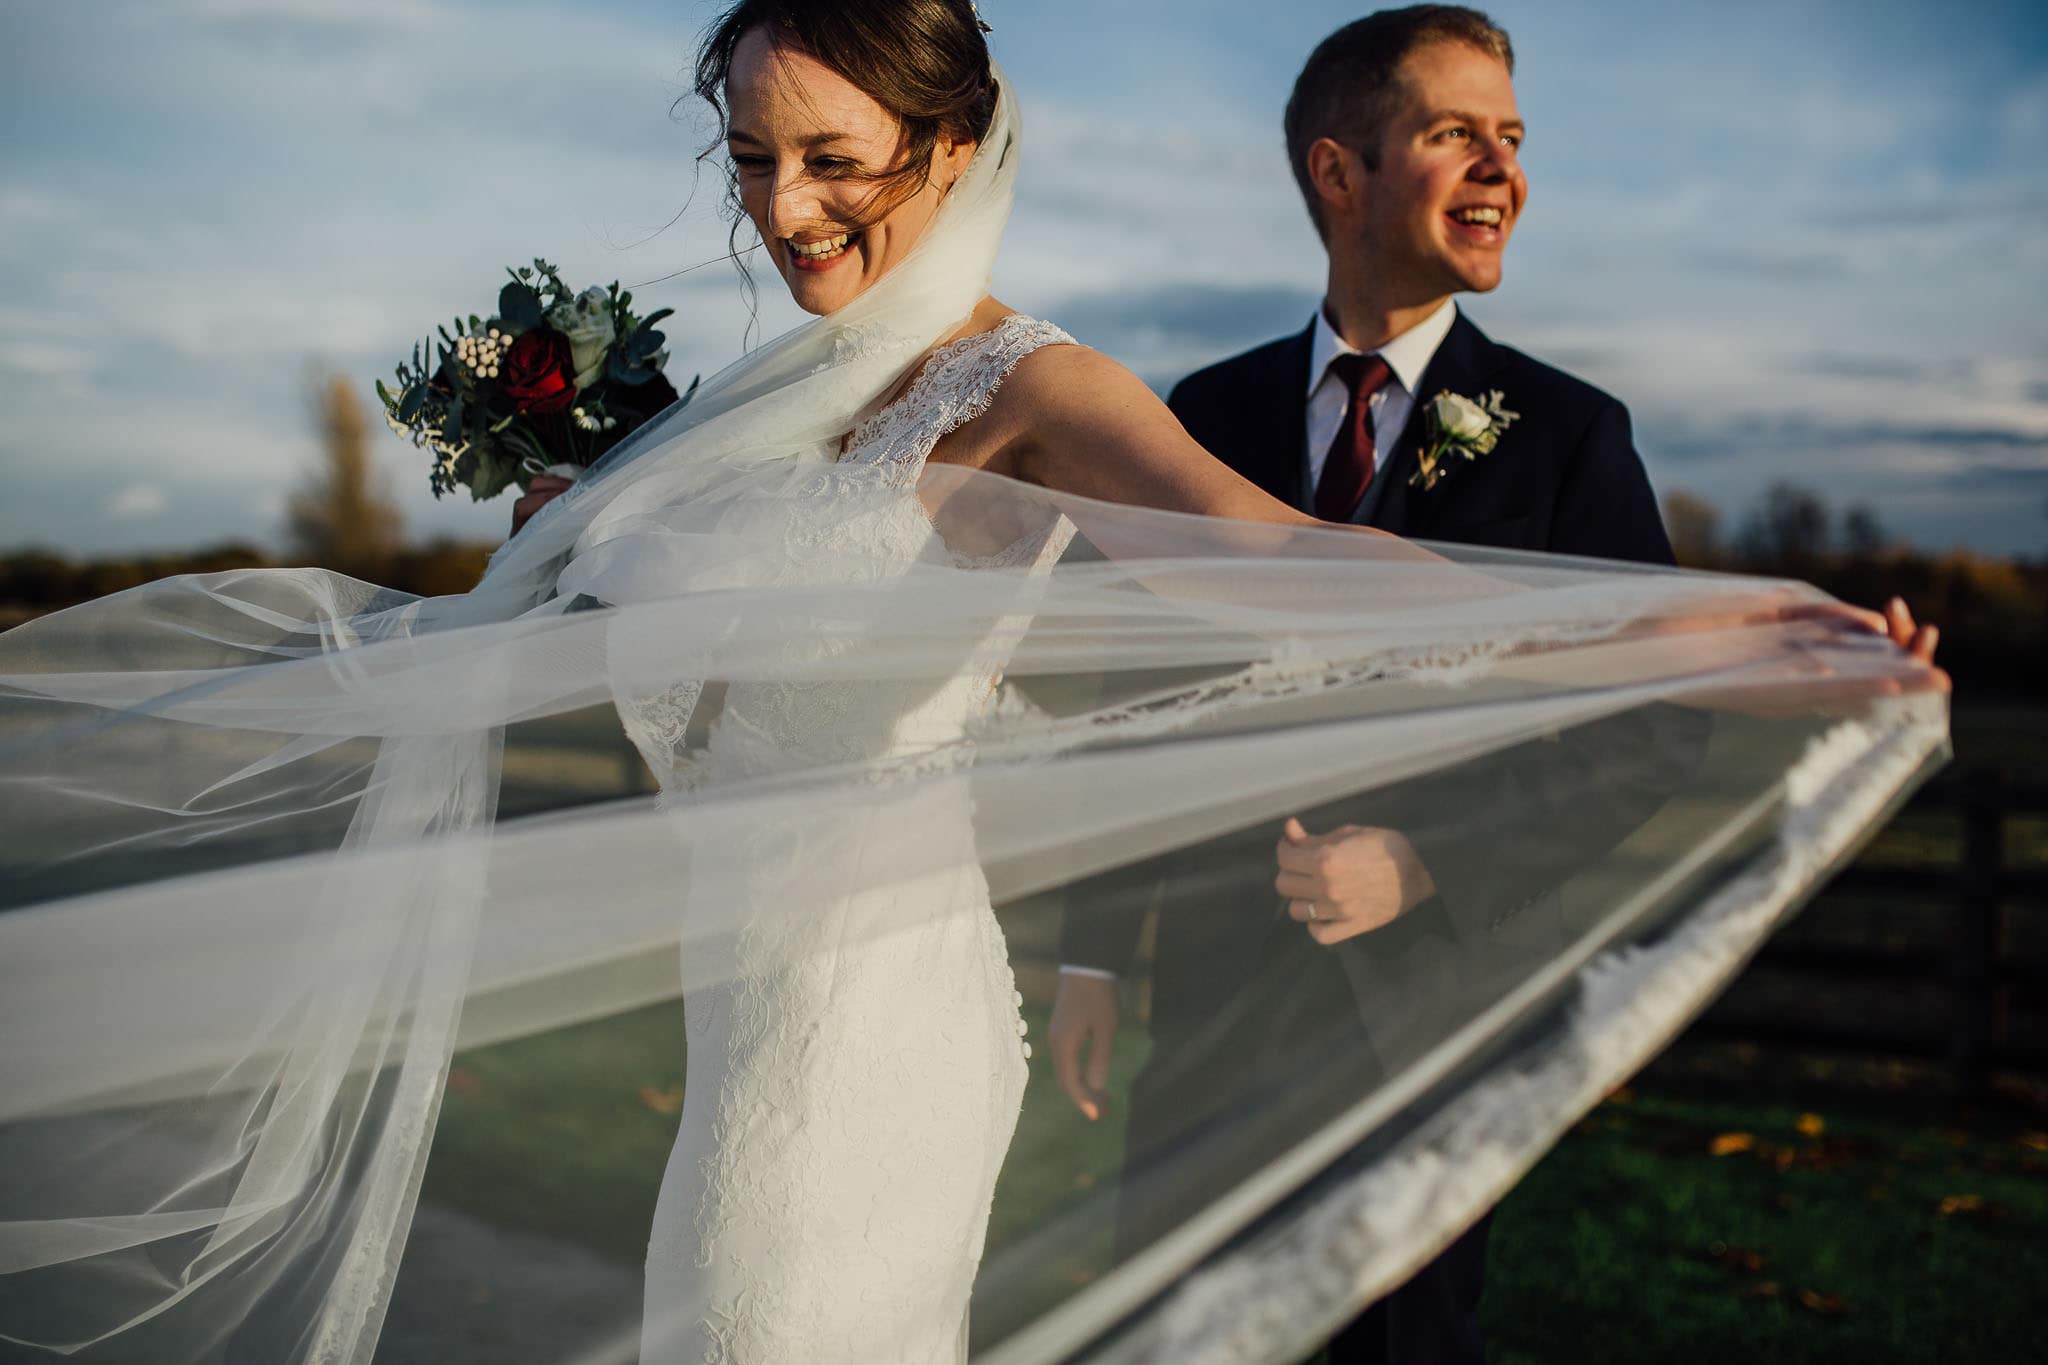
<point>1407,356</point>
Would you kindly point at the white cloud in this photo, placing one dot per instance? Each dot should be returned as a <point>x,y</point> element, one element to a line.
<point>45,361</point>
<point>136,502</point>
<point>375,14</point>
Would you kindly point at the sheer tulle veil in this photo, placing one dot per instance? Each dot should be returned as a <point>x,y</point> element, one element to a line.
<point>263,886</point>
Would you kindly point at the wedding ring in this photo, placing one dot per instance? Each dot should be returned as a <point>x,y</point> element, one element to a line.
<point>1313,917</point>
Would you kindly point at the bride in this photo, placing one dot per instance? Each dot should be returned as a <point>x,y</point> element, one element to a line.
<point>782,617</point>
<point>848,1107</point>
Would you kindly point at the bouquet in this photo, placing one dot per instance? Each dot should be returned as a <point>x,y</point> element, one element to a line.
<point>546,386</point>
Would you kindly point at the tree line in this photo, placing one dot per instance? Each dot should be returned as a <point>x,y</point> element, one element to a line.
<point>1993,611</point>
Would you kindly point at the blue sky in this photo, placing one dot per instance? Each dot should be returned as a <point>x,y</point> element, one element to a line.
<point>1802,241</point>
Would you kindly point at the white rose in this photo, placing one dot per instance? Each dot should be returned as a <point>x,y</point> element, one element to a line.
<point>1460,418</point>
<point>587,321</point>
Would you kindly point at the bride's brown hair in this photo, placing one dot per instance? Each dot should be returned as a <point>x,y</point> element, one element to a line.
<point>925,61</point>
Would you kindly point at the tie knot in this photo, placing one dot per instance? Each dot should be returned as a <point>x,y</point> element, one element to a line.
<point>1364,375</point>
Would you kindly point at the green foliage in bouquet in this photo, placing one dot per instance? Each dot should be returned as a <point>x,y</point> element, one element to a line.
<point>554,378</point>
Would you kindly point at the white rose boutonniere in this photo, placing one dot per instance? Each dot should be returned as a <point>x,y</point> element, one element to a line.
<point>1460,427</point>
<point>587,321</point>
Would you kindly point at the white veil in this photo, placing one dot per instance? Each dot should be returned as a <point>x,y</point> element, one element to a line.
<point>279,842</point>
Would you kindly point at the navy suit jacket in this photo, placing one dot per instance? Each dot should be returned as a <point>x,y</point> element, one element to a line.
<point>1565,479</point>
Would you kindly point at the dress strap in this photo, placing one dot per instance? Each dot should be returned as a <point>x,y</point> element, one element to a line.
<point>956,386</point>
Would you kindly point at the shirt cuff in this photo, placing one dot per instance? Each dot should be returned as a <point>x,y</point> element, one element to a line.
<point>1069,969</point>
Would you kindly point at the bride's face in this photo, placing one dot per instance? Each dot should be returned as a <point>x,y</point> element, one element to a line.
<point>808,146</point>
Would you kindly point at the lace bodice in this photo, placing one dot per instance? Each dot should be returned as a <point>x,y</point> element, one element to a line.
<point>861,519</point>
<point>956,386</point>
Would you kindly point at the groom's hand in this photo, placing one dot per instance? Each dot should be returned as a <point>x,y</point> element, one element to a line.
<point>1084,1011</point>
<point>1350,881</point>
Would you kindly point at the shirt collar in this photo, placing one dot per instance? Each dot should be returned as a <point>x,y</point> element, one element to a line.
<point>1407,355</point>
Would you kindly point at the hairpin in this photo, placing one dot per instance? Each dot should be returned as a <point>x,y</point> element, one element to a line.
<point>979,22</point>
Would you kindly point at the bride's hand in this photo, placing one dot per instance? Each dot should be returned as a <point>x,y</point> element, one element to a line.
<point>544,489</point>
<point>1084,1014</point>
<point>1820,684</point>
<point>1896,624</point>
<point>1917,640</point>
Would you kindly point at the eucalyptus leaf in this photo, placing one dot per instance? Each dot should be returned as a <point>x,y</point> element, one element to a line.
<point>409,406</point>
<point>494,473</point>
<point>519,307</point>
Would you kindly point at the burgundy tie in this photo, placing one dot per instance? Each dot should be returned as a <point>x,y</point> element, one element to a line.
<point>1349,467</point>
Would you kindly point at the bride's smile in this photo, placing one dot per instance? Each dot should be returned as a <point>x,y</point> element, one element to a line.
<point>831,180</point>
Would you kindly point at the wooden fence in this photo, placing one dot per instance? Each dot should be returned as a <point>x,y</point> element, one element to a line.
<point>1980,977</point>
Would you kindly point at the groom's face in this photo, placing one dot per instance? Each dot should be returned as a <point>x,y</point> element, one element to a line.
<point>1438,209</point>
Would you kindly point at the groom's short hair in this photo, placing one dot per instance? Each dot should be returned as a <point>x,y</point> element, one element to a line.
<point>1349,89</point>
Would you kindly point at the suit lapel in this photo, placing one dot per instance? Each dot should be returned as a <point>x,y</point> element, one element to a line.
<point>1462,364</point>
<point>1268,430</point>
<point>1277,417</point>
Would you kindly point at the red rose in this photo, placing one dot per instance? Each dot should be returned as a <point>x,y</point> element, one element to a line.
<point>537,372</point>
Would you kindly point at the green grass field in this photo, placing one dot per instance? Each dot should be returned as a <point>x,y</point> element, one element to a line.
<point>1872,1237</point>
<point>1877,1238</point>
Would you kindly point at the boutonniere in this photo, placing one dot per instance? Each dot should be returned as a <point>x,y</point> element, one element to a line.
<point>1462,427</point>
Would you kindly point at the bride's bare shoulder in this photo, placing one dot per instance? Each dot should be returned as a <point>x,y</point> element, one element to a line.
<point>1056,386</point>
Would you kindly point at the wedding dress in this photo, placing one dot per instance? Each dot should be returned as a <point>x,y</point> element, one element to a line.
<point>856,1071</point>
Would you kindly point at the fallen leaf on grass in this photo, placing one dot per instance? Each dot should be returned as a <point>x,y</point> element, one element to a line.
<point>1811,1125</point>
<point>2033,1142</point>
<point>464,1082</point>
<point>1762,1289</point>
<point>1085,1180</point>
<point>1961,1203</point>
<point>1737,1258</point>
<point>1620,1095</point>
<point>1827,1305</point>
<point>1729,1143</point>
<point>662,1101</point>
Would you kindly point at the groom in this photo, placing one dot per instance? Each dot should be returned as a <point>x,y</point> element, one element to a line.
<point>1404,137</point>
